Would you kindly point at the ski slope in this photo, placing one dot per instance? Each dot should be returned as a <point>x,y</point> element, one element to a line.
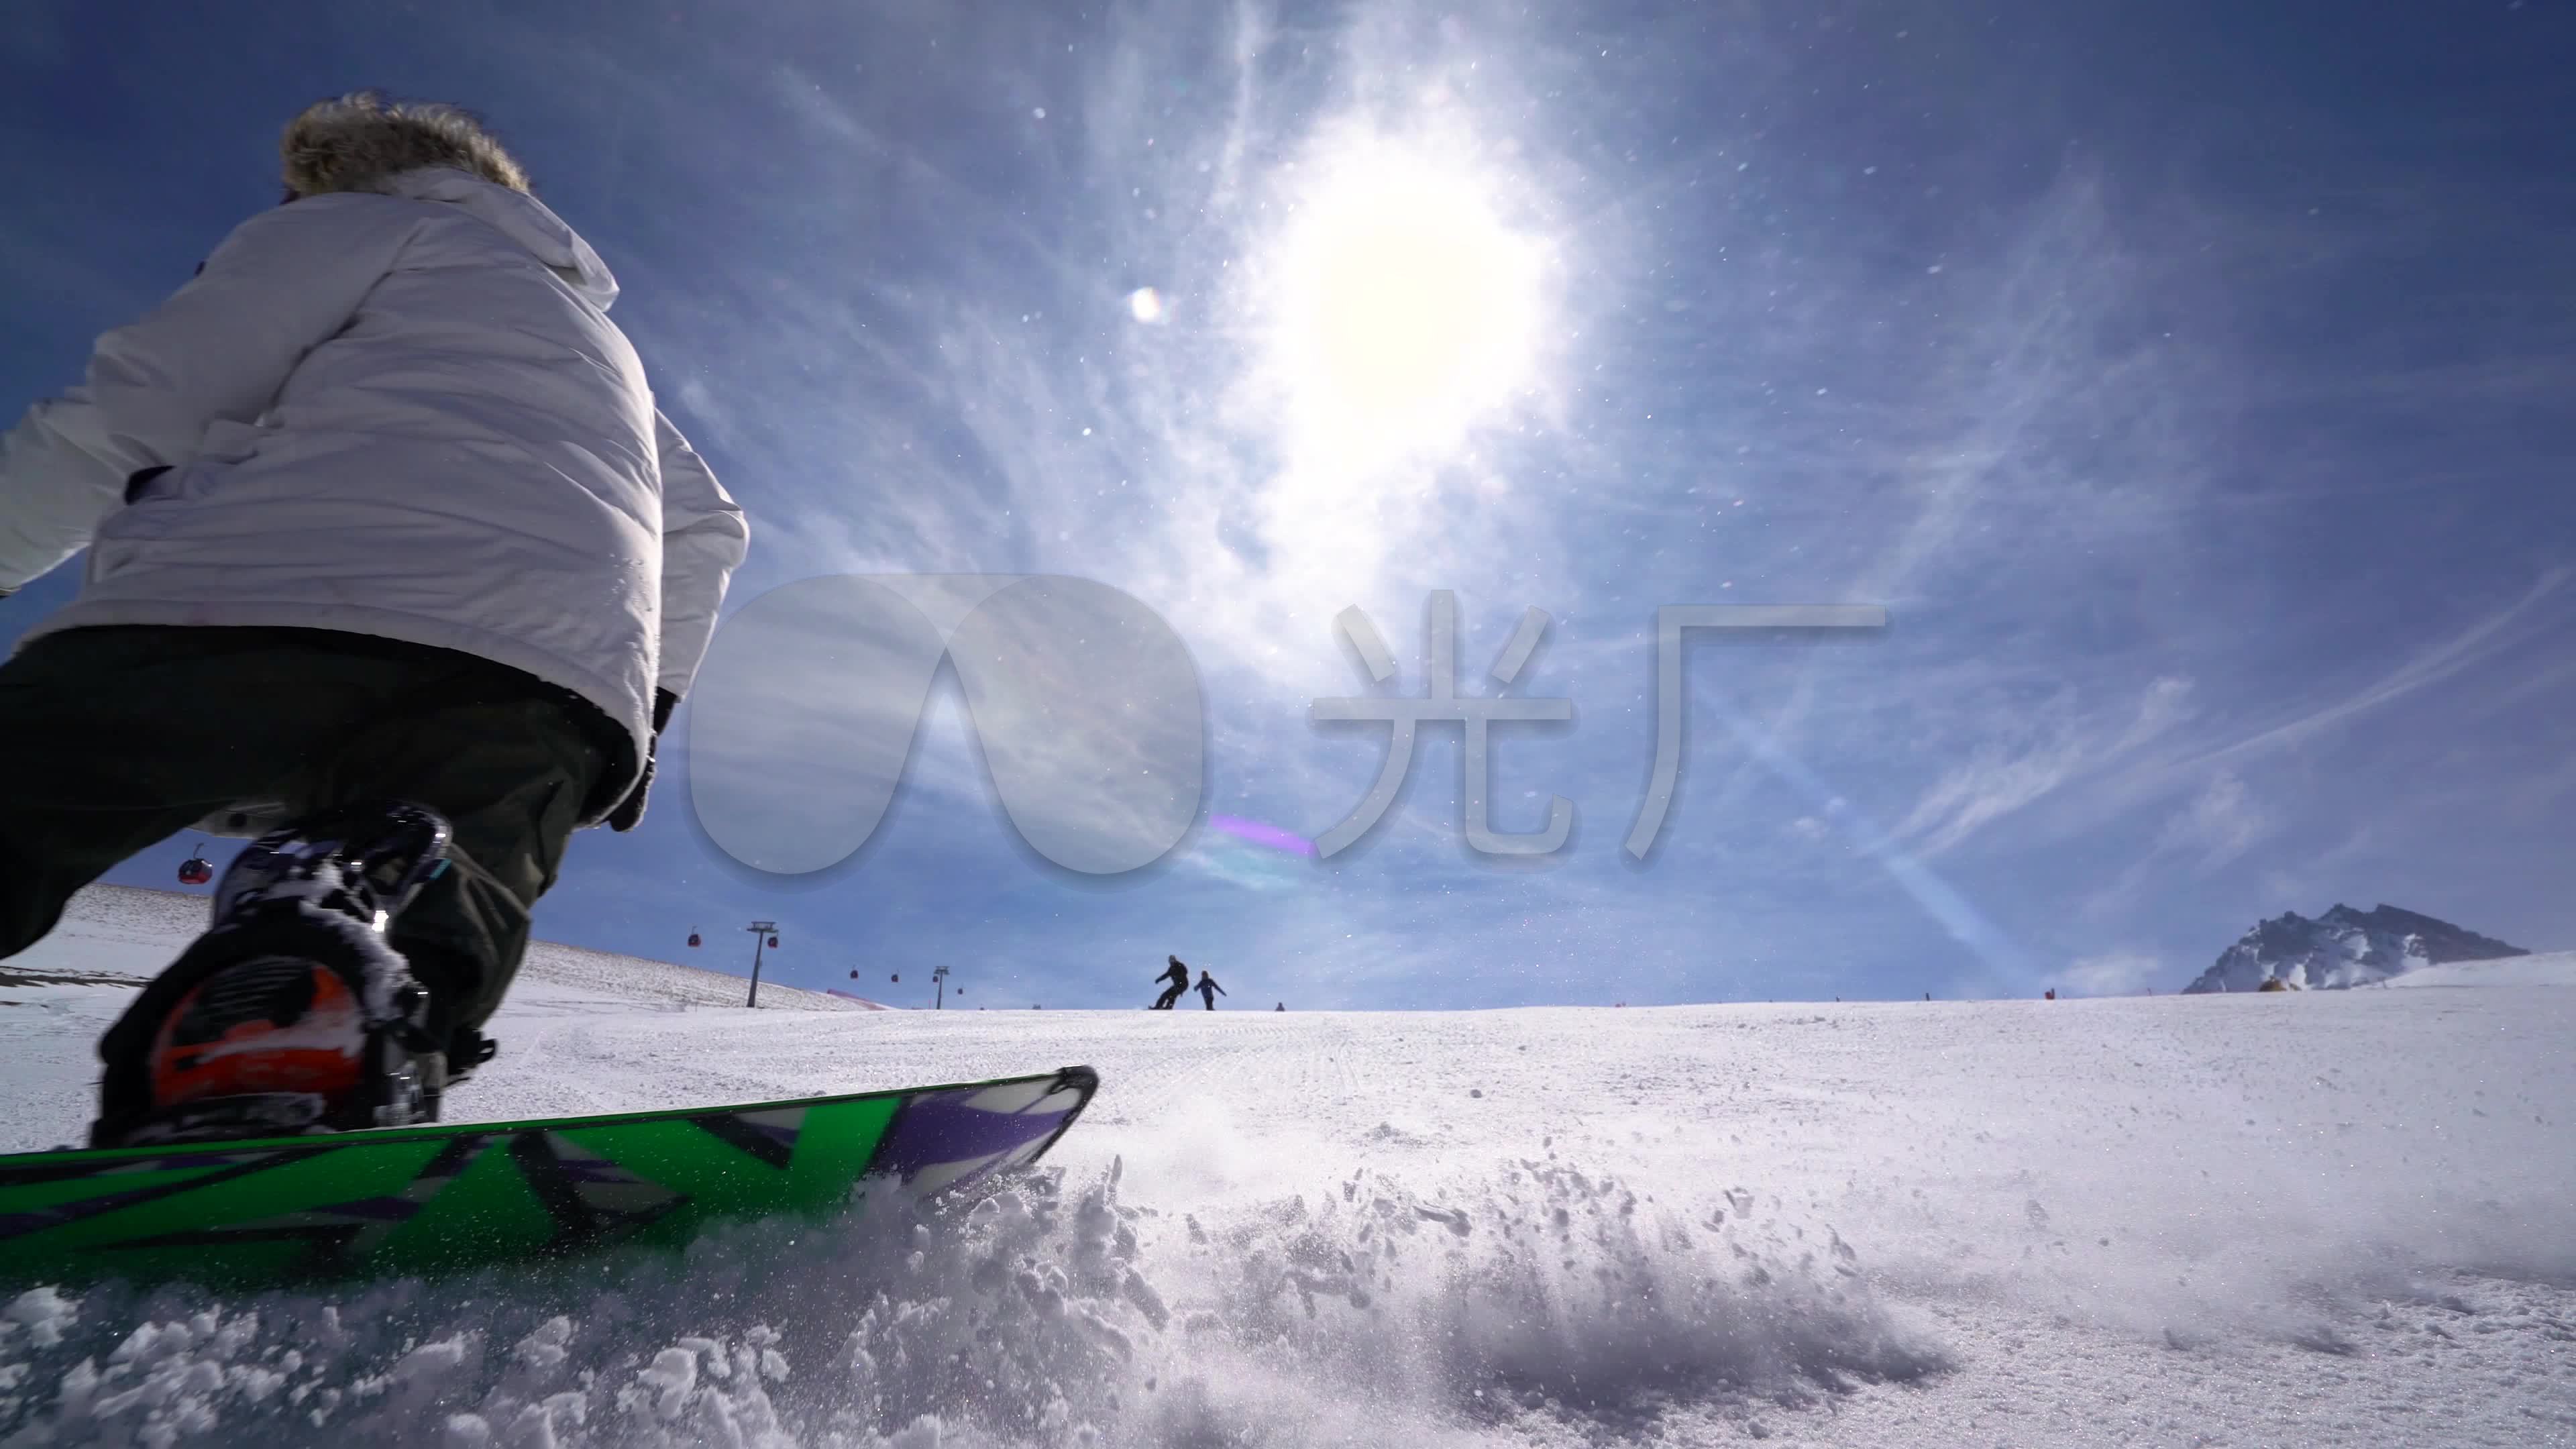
<point>2556,968</point>
<point>2316,1218</point>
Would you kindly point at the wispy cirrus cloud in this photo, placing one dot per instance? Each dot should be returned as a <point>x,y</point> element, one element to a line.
<point>2220,824</point>
<point>2112,973</point>
<point>2103,767</point>
<point>2053,745</point>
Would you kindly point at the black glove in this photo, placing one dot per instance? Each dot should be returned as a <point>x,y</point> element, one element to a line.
<point>631,809</point>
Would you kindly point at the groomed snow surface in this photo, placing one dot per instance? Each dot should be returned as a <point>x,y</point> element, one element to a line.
<point>2309,1218</point>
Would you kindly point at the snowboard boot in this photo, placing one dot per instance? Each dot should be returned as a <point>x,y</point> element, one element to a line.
<point>291,1014</point>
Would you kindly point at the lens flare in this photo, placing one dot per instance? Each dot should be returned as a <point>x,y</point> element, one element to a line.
<point>1260,833</point>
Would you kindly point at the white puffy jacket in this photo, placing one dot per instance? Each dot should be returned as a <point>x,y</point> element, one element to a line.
<point>403,414</point>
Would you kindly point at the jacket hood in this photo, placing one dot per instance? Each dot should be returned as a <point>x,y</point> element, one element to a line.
<point>519,216</point>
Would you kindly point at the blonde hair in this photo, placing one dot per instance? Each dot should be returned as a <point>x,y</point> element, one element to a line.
<point>354,142</point>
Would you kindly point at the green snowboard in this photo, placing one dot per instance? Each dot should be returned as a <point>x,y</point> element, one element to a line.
<point>416,1200</point>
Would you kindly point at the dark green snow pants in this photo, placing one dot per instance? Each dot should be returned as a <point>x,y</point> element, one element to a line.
<point>112,739</point>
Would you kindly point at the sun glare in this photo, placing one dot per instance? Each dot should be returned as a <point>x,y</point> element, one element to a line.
<point>1404,308</point>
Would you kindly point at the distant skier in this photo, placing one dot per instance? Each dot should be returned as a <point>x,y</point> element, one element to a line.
<point>393,556</point>
<point>1179,977</point>
<point>1209,991</point>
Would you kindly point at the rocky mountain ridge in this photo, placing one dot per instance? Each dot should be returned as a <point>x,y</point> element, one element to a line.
<point>2343,948</point>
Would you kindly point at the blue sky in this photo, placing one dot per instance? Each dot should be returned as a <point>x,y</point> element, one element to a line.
<point>2186,381</point>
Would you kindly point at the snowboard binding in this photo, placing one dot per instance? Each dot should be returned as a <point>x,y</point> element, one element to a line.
<point>291,1014</point>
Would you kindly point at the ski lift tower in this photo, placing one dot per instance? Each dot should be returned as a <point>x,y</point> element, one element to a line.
<point>766,933</point>
<point>939,978</point>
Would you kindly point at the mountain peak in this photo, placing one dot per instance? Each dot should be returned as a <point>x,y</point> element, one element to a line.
<point>2344,947</point>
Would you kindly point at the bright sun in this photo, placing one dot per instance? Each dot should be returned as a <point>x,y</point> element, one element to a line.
<point>1404,307</point>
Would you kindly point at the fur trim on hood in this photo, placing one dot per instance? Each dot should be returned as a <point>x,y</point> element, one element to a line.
<point>356,142</point>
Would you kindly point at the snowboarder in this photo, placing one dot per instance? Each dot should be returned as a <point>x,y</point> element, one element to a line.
<point>1209,991</point>
<point>396,567</point>
<point>1179,976</point>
